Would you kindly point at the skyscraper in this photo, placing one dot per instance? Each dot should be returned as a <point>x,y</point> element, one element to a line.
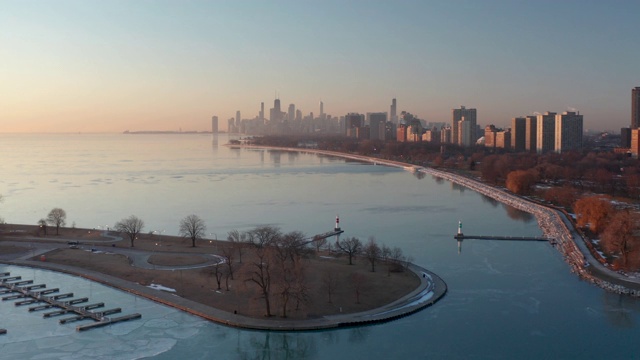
<point>635,107</point>
<point>393,112</point>
<point>276,114</point>
<point>519,133</point>
<point>545,132</point>
<point>238,118</point>
<point>321,110</point>
<point>531,129</point>
<point>261,115</point>
<point>377,123</point>
<point>568,132</point>
<point>214,124</point>
<point>469,115</point>
<point>291,113</point>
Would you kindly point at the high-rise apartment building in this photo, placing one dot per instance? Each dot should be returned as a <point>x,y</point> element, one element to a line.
<point>503,139</point>
<point>545,132</point>
<point>518,133</point>
<point>466,132</point>
<point>635,107</point>
<point>321,110</point>
<point>490,136</point>
<point>238,119</point>
<point>568,131</point>
<point>393,114</point>
<point>530,131</point>
<point>470,116</point>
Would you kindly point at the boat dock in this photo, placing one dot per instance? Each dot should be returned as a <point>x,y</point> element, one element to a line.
<point>14,288</point>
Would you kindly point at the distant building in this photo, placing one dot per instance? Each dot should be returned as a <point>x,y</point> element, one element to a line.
<point>261,114</point>
<point>470,116</point>
<point>353,121</point>
<point>238,119</point>
<point>568,131</point>
<point>625,138</point>
<point>214,124</point>
<point>518,133</point>
<point>377,125</point>
<point>432,135</point>
<point>635,107</point>
<point>530,131</point>
<point>466,132</point>
<point>275,115</point>
<point>393,112</point>
<point>545,132</point>
<point>445,135</point>
<point>291,114</point>
<point>635,142</point>
<point>490,136</point>
<point>503,139</point>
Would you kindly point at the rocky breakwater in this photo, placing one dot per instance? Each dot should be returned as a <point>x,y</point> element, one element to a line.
<point>553,224</point>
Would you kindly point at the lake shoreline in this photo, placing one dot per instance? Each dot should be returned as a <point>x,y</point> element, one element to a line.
<point>553,222</point>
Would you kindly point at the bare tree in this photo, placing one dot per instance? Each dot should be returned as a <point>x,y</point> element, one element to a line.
<point>329,283</point>
<point>261,276</point>
<point>57,217</point>
<point>350,246</point>
<point>372,251</point>
<point>319,243</point>
<point>218,273</point>
<point>395,260</point>
<point>192,227</point>
<point>132,226</point>
<point>262,236</point>
<point>237,240</point>
<point>42,223</point>
<point>227,254</point>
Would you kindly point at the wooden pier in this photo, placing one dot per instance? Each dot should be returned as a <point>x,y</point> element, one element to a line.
<point>14,288</point>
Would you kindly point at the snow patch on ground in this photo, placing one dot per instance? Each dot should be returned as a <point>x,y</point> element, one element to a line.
<point>160,287</point>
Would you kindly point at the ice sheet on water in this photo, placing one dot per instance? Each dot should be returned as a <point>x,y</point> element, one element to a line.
<point>160,324</point>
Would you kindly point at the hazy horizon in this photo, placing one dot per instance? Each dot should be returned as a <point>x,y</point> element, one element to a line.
<point>96,66</point>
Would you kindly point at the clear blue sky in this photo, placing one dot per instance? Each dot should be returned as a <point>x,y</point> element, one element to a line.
<point>115,65</point>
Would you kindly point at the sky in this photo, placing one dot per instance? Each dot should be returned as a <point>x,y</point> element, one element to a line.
<point>111,66</point>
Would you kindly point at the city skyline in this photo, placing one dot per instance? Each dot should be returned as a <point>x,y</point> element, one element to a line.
<point>91,66</point>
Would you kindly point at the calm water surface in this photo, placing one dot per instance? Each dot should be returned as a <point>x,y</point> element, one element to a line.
<point>506,299</point>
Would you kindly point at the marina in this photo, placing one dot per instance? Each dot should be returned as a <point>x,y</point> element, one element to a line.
<point>14,288</point>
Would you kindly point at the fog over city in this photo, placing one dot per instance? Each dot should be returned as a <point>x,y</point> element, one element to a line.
<point>96,66</point>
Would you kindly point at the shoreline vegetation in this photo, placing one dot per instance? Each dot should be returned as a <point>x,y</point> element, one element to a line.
<point>554,223</point>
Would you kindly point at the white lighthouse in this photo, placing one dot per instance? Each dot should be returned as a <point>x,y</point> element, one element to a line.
<point>337,228</point>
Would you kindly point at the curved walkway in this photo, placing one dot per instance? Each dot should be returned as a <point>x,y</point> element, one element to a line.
<point>431,289</point>
<point>553,223</point>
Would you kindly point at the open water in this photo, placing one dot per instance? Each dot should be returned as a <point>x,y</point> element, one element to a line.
<point>506,300</point>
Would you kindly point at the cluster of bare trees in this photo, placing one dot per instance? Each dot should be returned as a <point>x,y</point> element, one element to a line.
<point>277,267</point>
<point>618,229</point>
<point>374,253</point>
